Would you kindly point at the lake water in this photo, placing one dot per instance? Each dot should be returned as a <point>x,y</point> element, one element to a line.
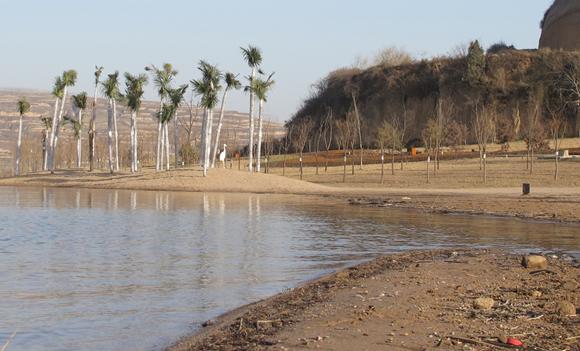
<point>133,270</point>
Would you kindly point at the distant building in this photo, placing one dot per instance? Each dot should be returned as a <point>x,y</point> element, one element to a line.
<point>561,26</point>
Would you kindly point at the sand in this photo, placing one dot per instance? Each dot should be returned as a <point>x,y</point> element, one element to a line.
<point>412,301</point>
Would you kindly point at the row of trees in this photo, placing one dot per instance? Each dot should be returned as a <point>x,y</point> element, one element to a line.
<point>207,88</point>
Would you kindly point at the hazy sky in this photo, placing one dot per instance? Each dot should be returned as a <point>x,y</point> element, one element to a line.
<point>302,40</point>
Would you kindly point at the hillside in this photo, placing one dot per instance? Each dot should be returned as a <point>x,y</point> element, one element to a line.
<point>512,82</point>
<point>234,132</point>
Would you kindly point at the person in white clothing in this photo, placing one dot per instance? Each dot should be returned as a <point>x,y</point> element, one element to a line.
<point>223,156</point>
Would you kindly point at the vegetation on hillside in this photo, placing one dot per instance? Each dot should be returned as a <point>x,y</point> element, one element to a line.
<point>521,95</point>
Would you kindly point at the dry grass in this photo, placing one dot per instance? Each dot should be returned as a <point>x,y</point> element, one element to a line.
<point>463,174</point>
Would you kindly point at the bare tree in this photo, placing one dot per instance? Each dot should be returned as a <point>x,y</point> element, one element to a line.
<point>358,127</point>
<point>268,144</point>
<point>484,129</point>
<point>327,135</point>
<point>352,129</point>
<point>571,90</point>
<point>287,142</point>
<point>428,135</point>
<point>444,110</point>
<point>456,137</point>
<point>393,56</point>
<point>534,132</point>
<point>557,124</point>
<point>343,136</point>
<point>302,132</point>
<point>390,134</point>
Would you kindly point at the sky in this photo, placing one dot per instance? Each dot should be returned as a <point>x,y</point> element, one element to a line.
<point>302,40</point>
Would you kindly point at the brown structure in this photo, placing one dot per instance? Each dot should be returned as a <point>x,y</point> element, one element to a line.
<point>561,26</point>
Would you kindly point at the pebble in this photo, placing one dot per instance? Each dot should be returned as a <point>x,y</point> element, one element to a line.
<point>535,262</point>
<point>536,294</point>
<point>483,303</point>
<point>566,309</point>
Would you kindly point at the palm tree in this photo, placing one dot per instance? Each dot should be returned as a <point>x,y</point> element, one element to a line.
<point>80,104</point>
<point>207,87</point>
<point>76,127</point>
<point>69,79</point>
<point>111,90</point>
<point>134,94</point>
<point>261,88</point>
<point>23,108</point>
<point>176,97</point>
<point>92,127</point>
<point>57,91</point>
<point>47,124</point>
<point>162,79</point>
<point>253,57</point>
<point>231,83</point>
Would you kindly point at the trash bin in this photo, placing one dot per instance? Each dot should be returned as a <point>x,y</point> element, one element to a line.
<point>526,189</point>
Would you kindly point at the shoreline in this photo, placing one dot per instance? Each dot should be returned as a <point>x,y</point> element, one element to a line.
<point>342,310</point>
<point>558,205</point>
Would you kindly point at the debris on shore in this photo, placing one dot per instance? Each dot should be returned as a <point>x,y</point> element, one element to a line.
<point>430,300</point>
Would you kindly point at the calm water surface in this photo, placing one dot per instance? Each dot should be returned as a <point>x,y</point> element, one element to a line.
<point>133,270</point>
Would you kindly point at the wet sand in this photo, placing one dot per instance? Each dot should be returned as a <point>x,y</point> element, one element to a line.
<point>411,301</point>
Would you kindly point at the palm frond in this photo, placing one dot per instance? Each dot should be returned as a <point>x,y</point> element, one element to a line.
<point>98,72</point>
<point>252,55</point>
<point>80,100</point>
<point>23,106</point>
<point>232,81</point>
<point>69,77</point>
<point>110,86</point>
<point>58,87</point>
<point>134,91</point>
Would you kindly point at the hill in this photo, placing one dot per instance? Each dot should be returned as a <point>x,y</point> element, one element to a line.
<point>513,82</point>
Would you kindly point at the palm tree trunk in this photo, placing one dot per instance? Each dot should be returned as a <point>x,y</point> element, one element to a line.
<point>93,132</point>
<point>45,151</point>
<point>79,140</point>
<point>116,135</point>
<point>133,117</point>
<point>55,140</point>
<point>18,144</point>
<point>175,139</point>
<point>208,139</point>
<point>159,155</point>
<point>135,144</point>
<point>162,147</point>
<point>203,140</point>
<point>251,136</point>
<point>259,150</point>
<point>52,135</point>
<point>166,142</point>
<point>110,133</point>
<point>219,128</point>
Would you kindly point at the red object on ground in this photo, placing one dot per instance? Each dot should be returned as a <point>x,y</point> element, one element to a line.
<point>514,342</point>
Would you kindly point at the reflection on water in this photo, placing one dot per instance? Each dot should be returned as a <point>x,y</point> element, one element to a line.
<point>133,270</point>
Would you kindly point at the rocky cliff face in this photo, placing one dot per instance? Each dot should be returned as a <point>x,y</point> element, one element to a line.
<point>561,26</point>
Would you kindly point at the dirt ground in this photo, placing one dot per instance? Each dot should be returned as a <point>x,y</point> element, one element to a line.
<point>461,174</point>
<point>412,301</point>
